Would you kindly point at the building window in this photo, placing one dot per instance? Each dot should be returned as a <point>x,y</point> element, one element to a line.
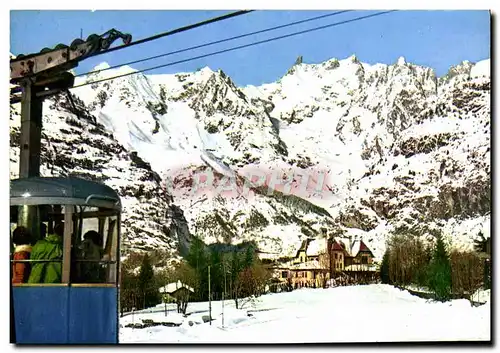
<point>284,274</point>
<point>364,260</point>
<point>336,256</point>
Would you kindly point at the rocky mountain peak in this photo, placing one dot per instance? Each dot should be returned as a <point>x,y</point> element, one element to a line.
<point>354,59</point>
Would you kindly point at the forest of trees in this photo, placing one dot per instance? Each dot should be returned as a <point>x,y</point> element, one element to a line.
<point>235,273</point>
<point>447,273</point>
<point>138,289</point>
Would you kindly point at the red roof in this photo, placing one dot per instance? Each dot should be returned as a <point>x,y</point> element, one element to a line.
<point>363,247</point>
<point>337,246</point>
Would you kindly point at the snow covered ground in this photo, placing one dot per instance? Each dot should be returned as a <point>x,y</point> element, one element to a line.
<point>371,313</point>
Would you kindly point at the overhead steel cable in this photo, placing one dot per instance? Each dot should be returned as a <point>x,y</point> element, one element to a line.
<point>148,39</point>
<point>177,30</point>
<point>218,41</point>
<point>238,47</point>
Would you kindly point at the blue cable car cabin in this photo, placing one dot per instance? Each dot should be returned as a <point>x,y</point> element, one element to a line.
<point>66,290</point>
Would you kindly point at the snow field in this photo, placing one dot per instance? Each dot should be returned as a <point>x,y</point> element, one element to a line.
<point>371,313</point>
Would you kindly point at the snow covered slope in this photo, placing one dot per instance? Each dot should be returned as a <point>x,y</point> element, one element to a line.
<point>359,149</point>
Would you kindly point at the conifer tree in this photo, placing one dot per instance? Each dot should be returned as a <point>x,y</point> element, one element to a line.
<point>197,258</point>
<point>147,284</point>
<point>249,256</point>
<point>384,268</point>
<point>440,271</point>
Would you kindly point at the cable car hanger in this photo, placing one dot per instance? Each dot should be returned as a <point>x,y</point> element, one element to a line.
<point>63,57</point>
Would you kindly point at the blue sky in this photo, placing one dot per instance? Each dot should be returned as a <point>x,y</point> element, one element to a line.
<point>437,39</point>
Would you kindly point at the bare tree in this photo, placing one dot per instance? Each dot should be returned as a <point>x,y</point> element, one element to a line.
<point>261,277</point>
<point>242,288</point>
<point>182,297</point>
<point>408,259</point>
<point>466,272</point>
<point>129,292</point>
<point>250,282</point>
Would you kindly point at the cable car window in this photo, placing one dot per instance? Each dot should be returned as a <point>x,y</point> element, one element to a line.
<point>69,244</point>
<point>96,247</point>
<point>37,249</point>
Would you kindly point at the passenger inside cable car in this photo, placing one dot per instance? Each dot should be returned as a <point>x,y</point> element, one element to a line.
<point>43,230</point>
<point>47,257</point>
<point>38,258</point>
<point>22,250</point>
<point>90,253</point>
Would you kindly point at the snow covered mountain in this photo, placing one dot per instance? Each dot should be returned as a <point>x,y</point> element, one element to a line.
<point>358,149</point>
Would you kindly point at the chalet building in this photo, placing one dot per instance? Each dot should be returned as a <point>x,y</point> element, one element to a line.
<point>358,261</point>
<point>173,291</point>
<point>318,260</point>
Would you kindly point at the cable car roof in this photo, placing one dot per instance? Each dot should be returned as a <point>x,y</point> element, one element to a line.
<point>62,191</point>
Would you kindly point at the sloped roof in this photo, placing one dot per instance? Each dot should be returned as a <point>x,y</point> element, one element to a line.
<point>315,247</point>
<point>308,265</point>
<point>336,246</point>
<point>355,248</point>
<point>267,255</point>
<point>359,246</point>
<point>302,247</point>
<point>363,246</point>
<point>172,287</point>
